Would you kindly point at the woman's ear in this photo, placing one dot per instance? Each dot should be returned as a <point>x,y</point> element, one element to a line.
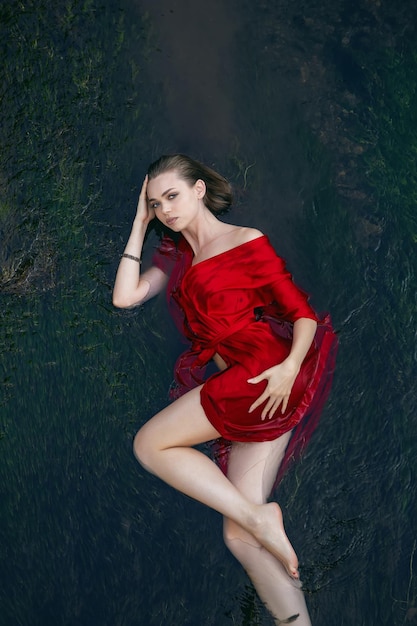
<point>200,187</point>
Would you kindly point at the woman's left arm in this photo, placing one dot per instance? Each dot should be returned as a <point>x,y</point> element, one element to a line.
<point>281,377</point>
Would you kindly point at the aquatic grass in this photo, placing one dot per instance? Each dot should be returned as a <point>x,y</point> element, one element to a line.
<point>74,389</point>
<point>340,502</point>
<point>69,470</point>
<point>371,410</point>
<point>64,102</point>
<point>87,534</point>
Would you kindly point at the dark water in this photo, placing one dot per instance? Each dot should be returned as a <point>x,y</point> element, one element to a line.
<point>310,109</point>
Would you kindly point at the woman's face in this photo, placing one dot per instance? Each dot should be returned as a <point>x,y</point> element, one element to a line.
<point>175,203</point>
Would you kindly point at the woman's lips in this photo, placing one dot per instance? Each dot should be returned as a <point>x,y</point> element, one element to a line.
<point>171,220</point>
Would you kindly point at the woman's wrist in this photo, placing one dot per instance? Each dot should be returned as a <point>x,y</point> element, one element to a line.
<point>140,226</point>
<point>293,362</point>
<point>135,243</point>
<point>132,257</point>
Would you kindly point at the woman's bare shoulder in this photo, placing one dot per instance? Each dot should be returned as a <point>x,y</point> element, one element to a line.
<point>244,234</point>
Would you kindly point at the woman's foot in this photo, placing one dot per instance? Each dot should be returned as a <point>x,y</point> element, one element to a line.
<point>271,535</point>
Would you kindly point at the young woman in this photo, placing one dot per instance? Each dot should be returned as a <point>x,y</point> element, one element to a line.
<point>237,305</point>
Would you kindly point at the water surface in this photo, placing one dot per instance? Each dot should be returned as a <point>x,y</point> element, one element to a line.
<point>309,111</point>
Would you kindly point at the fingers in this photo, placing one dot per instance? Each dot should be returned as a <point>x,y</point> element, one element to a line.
<point>142,195</point>
<point>274,395</point>
<point>258,402</point>
<point>271,406</point>
<point>266,395</point>
<point>144,212</point>
<point>272,403</point>
<point>254,381</point>
<point>144,184</point>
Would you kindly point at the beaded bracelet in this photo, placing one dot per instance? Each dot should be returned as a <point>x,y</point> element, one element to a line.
<point>133,258</point>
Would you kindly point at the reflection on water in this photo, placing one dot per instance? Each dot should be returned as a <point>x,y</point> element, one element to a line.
<point>91,93</point>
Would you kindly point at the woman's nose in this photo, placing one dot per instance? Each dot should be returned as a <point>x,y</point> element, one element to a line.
<point>166,208</point>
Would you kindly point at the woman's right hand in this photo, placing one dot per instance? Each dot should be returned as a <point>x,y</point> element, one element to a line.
<point>143,212</point>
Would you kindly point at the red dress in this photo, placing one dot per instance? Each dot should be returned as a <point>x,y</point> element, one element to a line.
<point>241,304</point>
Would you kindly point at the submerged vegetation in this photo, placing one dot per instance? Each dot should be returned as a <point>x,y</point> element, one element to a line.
<point>72,122</point>
<point>354,70</point>
<point>86,531</point>
<point>69,106</point>
<point>377,215</point>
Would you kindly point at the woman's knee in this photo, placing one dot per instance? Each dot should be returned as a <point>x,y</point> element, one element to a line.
<point>228,532</point>
<point>144,448</point>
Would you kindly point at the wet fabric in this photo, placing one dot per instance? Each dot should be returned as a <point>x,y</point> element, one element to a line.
<point>242,304</point>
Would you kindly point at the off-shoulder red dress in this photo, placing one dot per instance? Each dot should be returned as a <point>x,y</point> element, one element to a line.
<point>242,304</point>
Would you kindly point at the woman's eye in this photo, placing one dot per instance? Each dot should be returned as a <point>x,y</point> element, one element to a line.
<point>172,196</point>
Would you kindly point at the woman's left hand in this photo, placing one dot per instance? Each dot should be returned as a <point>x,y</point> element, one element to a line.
<point>277,392</point>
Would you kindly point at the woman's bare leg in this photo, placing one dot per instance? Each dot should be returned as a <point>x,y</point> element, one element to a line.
<point>163,447</point>
<point>252,468</point>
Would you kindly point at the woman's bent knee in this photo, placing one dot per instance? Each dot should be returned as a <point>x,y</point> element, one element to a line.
<point>143,449</point>
<point>228,533</point>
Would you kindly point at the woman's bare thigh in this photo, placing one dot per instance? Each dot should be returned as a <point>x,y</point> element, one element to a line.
<point>182,423</point>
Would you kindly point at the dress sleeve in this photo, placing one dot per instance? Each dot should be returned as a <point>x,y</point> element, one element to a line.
<point>291,301</point>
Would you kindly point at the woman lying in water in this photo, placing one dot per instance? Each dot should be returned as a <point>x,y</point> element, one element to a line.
<point>238,306</point>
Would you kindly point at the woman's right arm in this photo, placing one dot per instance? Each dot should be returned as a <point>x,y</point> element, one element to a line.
<point>131,287</point>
